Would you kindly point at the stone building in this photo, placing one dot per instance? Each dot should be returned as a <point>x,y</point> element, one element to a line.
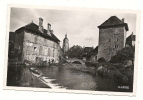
<point>65,44</point>
<point>93,55</point>
<point>112,37</point>
<point>37,44</point>
<point>130,41</point>
<point>86,53</point>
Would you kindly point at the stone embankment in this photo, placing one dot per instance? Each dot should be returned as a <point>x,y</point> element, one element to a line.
<point>29,77</point>
<point>22,76</point>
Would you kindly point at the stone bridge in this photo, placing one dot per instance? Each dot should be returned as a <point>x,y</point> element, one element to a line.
<point>75,61</point>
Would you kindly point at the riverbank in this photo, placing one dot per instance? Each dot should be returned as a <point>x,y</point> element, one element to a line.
<point>67,76</point>
<point>110,73</point>
<point>116,72</point>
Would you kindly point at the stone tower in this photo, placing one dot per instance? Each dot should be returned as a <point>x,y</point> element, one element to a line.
<point>65,44</point>
<point>112,37</point>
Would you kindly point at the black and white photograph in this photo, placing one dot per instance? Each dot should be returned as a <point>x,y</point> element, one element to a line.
<point>78,50</point>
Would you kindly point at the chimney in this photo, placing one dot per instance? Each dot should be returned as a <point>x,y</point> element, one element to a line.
<point>41,24</point>
<point>66,36</point>
<point>123,20</point>
<point>52,32</point>
<point>49,29</point>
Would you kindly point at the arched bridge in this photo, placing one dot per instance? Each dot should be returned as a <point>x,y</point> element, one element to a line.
<point>75,61</point>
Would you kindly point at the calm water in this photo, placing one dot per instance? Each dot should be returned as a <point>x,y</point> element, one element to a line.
<point>77,80</point>
<point>70,79</point>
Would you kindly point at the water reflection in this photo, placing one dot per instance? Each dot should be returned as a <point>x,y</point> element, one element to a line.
<point>64,77</point>
<point>71,79</point>
<point>77,80</point>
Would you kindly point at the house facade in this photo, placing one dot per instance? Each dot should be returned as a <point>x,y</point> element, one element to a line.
<point>86,53</point>
<point>112,37</point>
<point>93,55</point>
<point>37,44</point>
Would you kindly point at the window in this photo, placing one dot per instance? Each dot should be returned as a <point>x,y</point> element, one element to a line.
<point>53,52</point>
<point>35,39</point>
<point>109,40</point>
<point>117,40</point>
<point>49,51</point>
<point>116,46</point>
<point>35,50</point>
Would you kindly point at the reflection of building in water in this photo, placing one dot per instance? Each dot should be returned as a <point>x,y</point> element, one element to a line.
<point>65,44</point>
<point>36,43</point>
<point>112,37</point>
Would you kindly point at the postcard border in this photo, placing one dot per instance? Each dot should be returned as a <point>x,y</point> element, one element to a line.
<point>137,12</point>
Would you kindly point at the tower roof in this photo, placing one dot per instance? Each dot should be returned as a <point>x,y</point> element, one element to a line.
<point>113,21</point>
<point>65,37</point>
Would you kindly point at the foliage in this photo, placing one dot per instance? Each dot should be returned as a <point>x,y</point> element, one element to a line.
<point>75,52</point>
<point>12,52</point>
<point>126,53</point>
<point>101,60</point>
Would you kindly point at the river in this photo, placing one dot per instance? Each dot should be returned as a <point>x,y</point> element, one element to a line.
<point>78,80</point>
<point>69,78</point>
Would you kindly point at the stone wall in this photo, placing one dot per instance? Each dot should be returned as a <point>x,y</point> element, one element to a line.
<point>110,41</point>
<point>36,48</point>
<point>19,44</point>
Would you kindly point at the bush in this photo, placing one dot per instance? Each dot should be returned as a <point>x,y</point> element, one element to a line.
<point>101,60</point>
<point>126,53</point>
<point>89,64</point>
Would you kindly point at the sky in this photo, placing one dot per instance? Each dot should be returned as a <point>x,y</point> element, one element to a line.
<point>80,26</point>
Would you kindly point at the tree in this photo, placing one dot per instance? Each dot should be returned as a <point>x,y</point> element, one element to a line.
<point>12,52</point>
<point>101,60</point>
<point>126,53</point>
<point>75,52</point>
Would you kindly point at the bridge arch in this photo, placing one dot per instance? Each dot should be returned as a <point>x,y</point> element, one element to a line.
<point>75,61</point>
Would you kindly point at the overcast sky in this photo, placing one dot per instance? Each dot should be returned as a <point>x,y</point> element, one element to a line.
<point>80,26</point>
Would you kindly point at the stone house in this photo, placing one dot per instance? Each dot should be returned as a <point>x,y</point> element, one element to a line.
<point>36,43</point>
<point>130,41</point>
<point>112,37</point>
<point>86,53</point>
<point>93,55</point>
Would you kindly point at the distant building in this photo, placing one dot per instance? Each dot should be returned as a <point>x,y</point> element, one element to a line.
<point>65,44</point>
<point>87,50</point>
<point>86,53</point>
<point>130,41</point>
<point>93,55</point>
<point>112,37</point>
<point>36,43</point>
